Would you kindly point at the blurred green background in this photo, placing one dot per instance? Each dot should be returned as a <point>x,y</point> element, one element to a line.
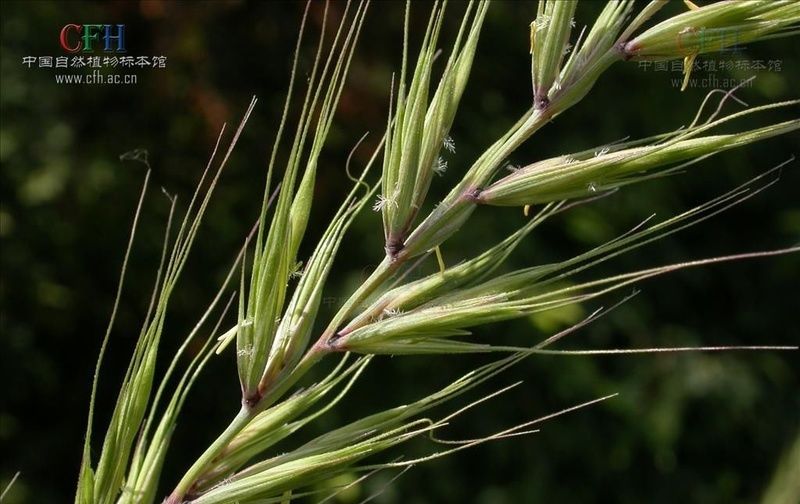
<point>685,428</point>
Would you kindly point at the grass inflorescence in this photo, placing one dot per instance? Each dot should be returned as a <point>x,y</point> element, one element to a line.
<point>279,291</point>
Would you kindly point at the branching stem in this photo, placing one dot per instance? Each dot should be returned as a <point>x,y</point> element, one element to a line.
<point>194,473</point>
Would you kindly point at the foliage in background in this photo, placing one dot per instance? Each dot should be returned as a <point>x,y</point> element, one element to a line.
<point>589,185</point>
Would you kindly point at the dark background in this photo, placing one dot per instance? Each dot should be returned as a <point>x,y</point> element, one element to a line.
<point>685,428</point>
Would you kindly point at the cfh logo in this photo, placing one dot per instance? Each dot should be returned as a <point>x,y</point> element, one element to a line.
<point>89,37</point>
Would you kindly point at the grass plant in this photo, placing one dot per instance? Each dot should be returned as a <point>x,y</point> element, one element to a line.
<point>274,291</point>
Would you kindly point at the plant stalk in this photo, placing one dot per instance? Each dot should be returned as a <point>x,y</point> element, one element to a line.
<point>385,269</point>
<point>189,479</point>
